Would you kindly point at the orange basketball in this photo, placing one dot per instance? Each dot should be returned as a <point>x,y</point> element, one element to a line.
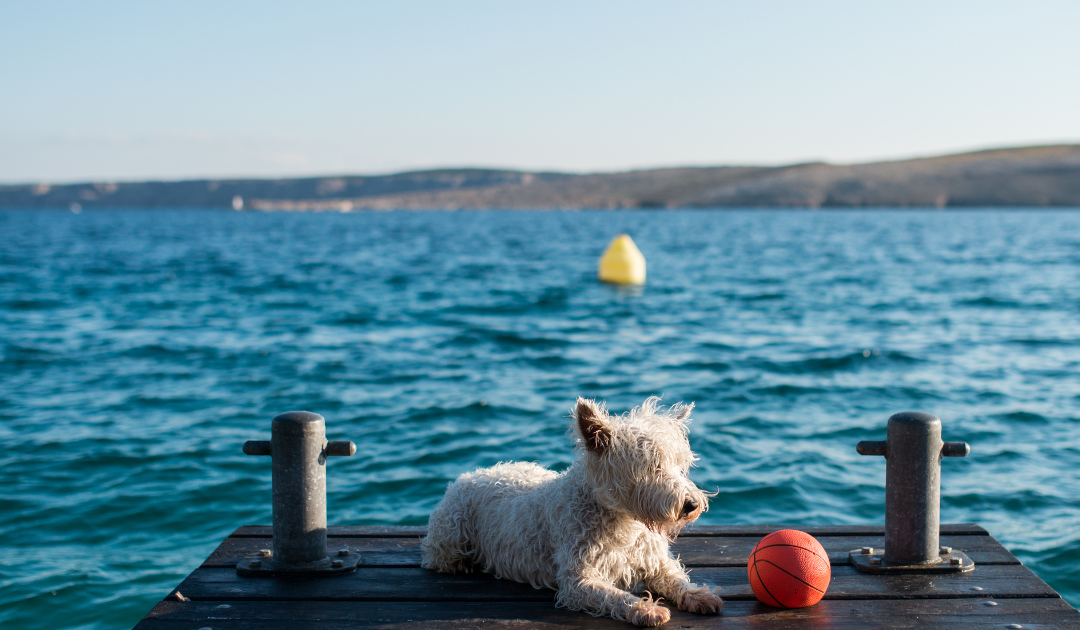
<point>789,569</point>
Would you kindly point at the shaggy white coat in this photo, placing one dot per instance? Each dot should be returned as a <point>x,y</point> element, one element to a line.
<point>595,532</point>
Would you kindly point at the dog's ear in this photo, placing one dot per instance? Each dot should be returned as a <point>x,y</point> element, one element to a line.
<point>592,425</point>
<point>681,413</point>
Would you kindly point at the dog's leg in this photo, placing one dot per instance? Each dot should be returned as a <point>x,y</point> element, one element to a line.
<point>601,598</point>
<point>446,547</point>
<point>673,584</point>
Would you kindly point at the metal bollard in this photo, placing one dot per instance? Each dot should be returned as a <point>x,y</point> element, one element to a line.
<point>913,453</point>
<point>299,449</point>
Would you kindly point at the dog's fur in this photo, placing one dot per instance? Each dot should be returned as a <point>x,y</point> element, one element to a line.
<point>594,532</point>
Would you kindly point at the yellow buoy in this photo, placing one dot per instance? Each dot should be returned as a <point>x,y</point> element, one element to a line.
<point>622,262</point>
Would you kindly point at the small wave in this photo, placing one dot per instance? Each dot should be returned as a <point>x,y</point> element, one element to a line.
<point>1015,501</point>
<point>826,364</point>
<point>479,409</point>
<point>515,340</point>
<point>989,397</point>
<point>787,391</point>
<point>286,305</point>
<point>751,422</point>
<point>155,305</point>
<point>552,299</point>
<point>161,352</point>
<point>152,351</point>
<point>275,285</point>
<point>22,357</point>
<point>994,302</point>
<point>854,280</point>
<point>711,366</point>
<point>852,434</point>
<point>455,456</point>
<point>716,345</point>
<point>549,362</point>
<point>463,340</point>
<point>548,301</point>
<point>1021,416</point>
<point>1031,341</point>
<point>1002,455</point>
<point>172,404</point>
<point>504,339</point>
<point>906,393</point>
<point>352,319</point>
<point>31,305</point>
<point>391,379</point>
<point>763,297</point>
<point>1063,558</point>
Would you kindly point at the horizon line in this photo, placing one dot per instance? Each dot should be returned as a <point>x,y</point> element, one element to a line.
<point>576,173</point>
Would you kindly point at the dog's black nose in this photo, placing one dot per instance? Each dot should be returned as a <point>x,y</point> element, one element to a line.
<point>689,507</point>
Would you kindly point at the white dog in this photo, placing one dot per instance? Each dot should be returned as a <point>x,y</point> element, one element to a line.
<point>594,532</point>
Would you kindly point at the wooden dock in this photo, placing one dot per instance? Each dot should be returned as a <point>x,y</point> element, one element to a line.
<point>391,590</point>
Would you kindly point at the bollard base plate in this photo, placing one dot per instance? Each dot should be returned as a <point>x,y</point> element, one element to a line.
<point>952,562</point>
<point>268,567</point>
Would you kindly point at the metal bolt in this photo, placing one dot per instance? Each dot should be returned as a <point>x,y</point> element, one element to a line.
<point>990,603</point>
<point>337,564</point>
<point>875,561</point>
<point>868,550</point>
<point>955,561</point>
<point>265,553</point>
<point>976,588</point>
<point>343,552</point>
<point>946,551</point>
<point>256,563</point>
<point>1014,626</point>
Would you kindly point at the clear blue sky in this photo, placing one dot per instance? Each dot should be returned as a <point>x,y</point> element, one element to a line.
<point>120,91</point>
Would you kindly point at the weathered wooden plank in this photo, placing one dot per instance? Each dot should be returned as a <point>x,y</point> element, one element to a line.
<point>273,615</point>
<point>343,531</point>
<point>953,529</point>
<point>701,551</point>
<point>694,550</point>
<point>376,552</point>
<point>409,584</point>
<point>387,531</point>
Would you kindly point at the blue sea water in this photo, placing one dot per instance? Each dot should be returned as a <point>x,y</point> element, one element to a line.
<point>140,349</point>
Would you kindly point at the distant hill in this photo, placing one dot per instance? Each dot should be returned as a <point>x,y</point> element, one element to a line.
<point>1027,176</point>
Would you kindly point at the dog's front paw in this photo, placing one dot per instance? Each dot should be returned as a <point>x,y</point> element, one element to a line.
<point>648,613</point>
<point>463,565</point>
<point>703,601</point>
